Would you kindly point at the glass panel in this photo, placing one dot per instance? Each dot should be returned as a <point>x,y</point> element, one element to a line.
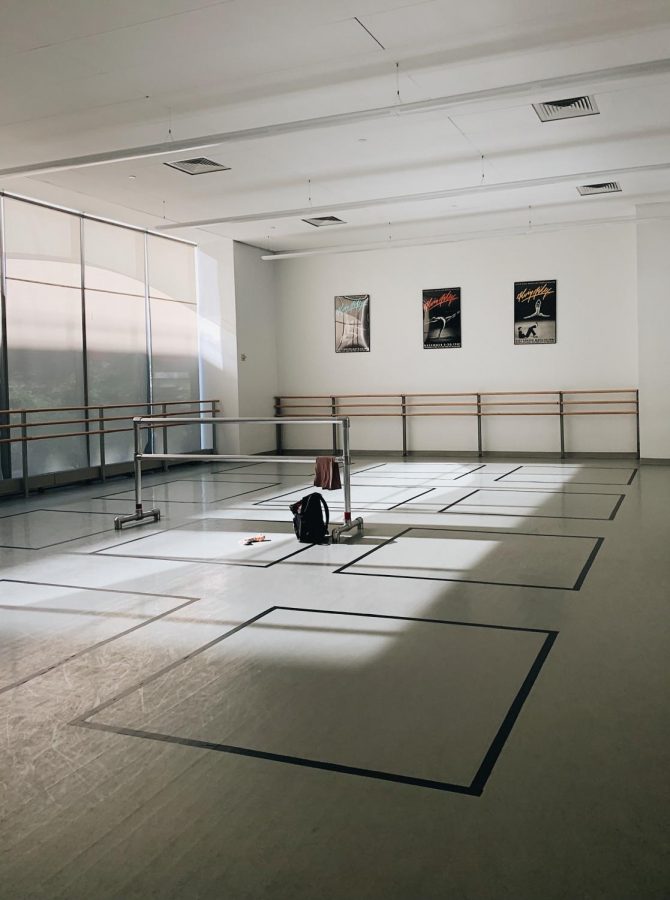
<point>115,330</point>
<point>41,244</point>
<point>44,335</point>
<point>171,269</point>
<point>117,365</point>
<point>113,258</point>
<point>174,334</point>
<point>174,337</point>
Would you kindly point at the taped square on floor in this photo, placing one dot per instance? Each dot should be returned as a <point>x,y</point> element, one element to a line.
<point>47,625</point>
<point>344,692</point>
<point>215,540</point>
<point>556,562</point>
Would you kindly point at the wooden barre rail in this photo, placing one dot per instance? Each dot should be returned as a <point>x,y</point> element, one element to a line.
<point>462,394</point>
<point>139,404</point>
<point>166,408</point>
<point>84,433</point>
<point>481,404</point>
<point>341,406</point>
<point>576,412</point>
<point>90,419</point>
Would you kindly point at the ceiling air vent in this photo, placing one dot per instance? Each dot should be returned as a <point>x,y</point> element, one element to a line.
<point>320,221</point>
<point>570,108</point>
<point>606,187</point>
<point>198,166</point>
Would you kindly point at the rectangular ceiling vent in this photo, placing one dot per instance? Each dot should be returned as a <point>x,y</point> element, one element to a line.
<point>320,221</point>
<point>198,166</point>
<point>606,187</point>
<point>571,108</point>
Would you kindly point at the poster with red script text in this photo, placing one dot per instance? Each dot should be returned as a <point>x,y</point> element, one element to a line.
<point>442,318</point>
<point>535,312</point>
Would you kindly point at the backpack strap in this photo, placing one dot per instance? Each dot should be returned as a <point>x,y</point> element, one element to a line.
<point>326,510</point>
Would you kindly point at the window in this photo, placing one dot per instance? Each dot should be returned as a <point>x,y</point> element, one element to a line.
<point>88,326</point>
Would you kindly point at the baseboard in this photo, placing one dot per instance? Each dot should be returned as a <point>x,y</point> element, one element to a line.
<point>654,461</point>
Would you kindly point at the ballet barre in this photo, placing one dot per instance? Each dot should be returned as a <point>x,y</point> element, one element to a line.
<point>145,422</point>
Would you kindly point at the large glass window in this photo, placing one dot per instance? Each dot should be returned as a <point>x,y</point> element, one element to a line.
<point>95,331</point>
<point>116,340</point>
<point>174,331</point>
<point>44,331</point>
<point>41,244</point>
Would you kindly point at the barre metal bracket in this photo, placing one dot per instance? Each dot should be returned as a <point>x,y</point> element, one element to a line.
<point>339,530</point>
<point>138,516</point>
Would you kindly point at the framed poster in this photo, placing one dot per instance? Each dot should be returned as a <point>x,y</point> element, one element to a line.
<point>442,318</point>
<point>535,312</point>
<point>352,323</point>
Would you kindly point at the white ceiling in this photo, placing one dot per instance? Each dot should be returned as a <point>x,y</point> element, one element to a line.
<point>100,76</point>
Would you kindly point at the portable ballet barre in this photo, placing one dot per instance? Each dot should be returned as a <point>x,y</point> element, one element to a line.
<point>140,422</point>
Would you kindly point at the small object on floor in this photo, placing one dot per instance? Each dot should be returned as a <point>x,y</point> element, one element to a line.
<point>255,539</point>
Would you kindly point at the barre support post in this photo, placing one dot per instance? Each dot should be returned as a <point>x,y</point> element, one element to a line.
<point>349,524</point>
<point>140,514</point>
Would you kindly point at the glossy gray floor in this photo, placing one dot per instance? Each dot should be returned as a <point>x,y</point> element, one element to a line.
<point>469,701</point>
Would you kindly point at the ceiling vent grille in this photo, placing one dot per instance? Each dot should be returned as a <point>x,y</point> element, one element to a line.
<point>605,187</point>
<point>320,221</point>
<point>198,166</point>
<point>571,108</point>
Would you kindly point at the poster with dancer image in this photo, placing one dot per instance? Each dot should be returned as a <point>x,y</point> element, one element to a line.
<point>442,318</point>
<point>352,323</point>
<point>535,312</point>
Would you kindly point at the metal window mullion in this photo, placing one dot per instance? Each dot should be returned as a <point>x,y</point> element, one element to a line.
<point>147,320</point>
<point>84,343</point>
<point>199,355</point>
<point>5,449</point>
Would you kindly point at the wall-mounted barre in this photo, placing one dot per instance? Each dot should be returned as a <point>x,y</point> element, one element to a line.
<point>140,422</point>
<point>404,406</point>
<point>29,427</point>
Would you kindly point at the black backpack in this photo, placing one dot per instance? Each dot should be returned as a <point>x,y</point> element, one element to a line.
<point>308,521</point>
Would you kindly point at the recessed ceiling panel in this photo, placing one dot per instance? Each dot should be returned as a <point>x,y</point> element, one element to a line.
<point>29,26</point>
<point>489,24</point>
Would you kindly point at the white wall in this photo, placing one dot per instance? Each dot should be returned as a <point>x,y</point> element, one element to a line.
<point>256,341</point>
<point>653,290</point>
<point>596,326</point>
<point>237,318</point>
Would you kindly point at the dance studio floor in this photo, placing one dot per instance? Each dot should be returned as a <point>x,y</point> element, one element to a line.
<point>468,702</point>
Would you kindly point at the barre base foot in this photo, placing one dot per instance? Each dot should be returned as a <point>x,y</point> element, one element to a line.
<point>339,530</point>
<point>139,515</point>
